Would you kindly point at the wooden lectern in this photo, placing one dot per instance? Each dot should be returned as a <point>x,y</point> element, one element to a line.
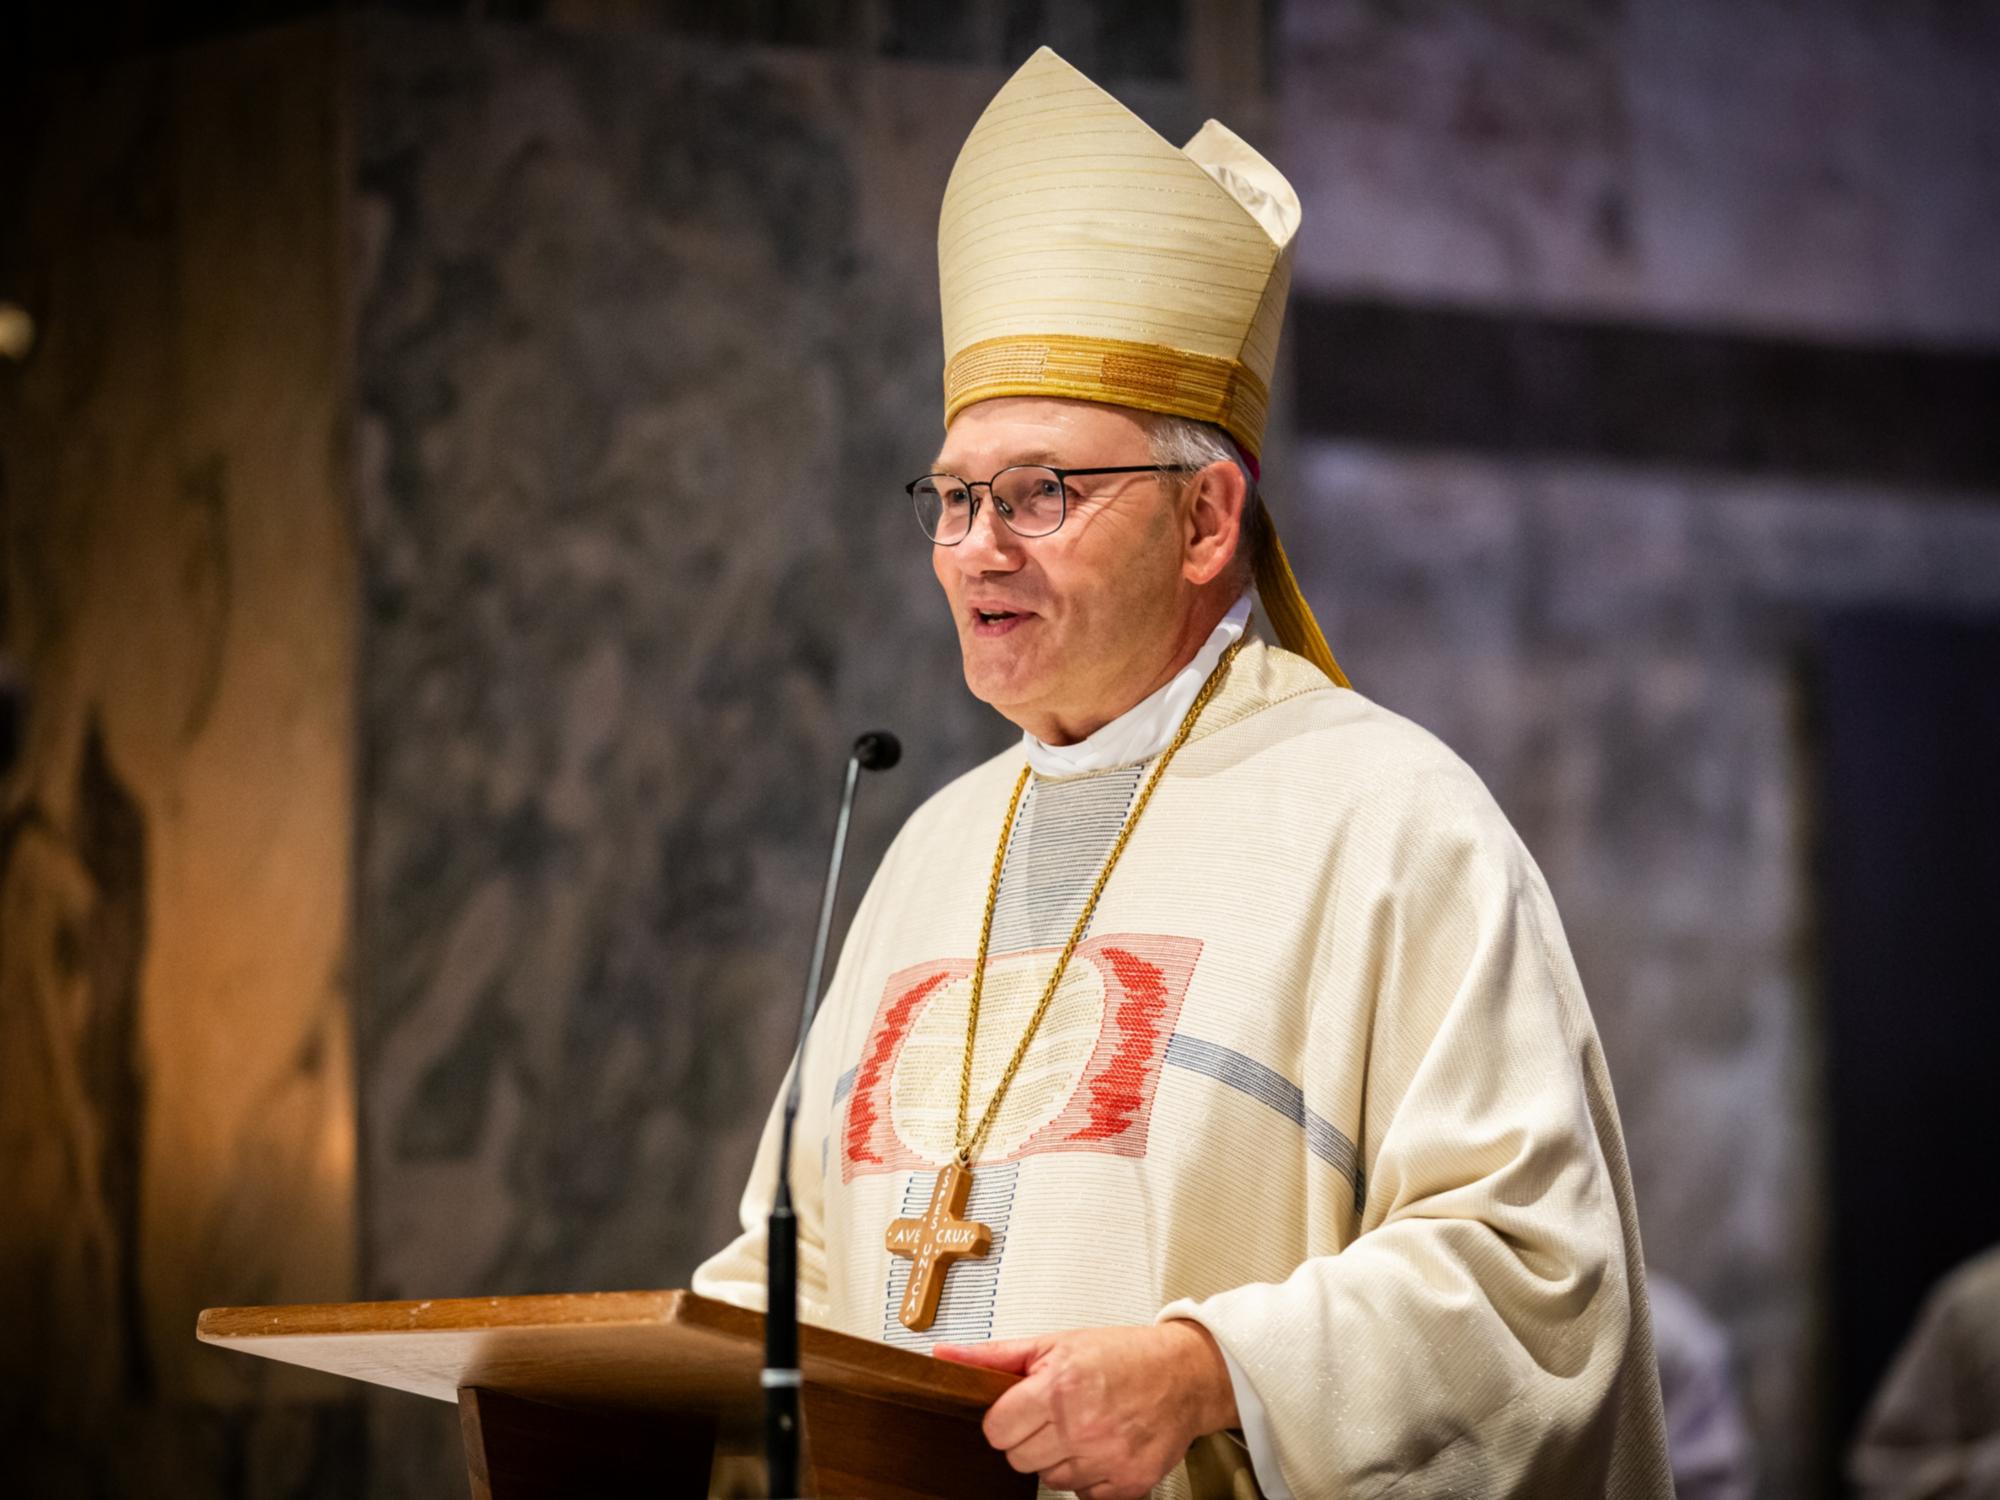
<point>615,1393</point>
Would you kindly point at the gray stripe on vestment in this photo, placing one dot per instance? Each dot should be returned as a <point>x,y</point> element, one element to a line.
<point>1247,1075</point>
<point>1061,836</point>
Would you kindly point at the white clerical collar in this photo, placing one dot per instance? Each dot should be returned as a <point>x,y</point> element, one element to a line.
<point>1143,730</point>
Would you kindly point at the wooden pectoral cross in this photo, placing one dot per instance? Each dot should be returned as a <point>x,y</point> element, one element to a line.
<point>934,1242</point>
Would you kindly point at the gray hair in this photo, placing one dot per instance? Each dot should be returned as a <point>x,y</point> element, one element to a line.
<point>1183,443</point>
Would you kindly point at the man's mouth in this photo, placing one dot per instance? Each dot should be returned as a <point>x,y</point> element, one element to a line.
<point>996,622</point>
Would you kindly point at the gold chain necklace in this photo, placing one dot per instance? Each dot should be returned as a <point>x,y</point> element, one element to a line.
<point>943,1235</point>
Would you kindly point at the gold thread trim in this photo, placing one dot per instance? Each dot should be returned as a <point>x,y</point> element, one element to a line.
<point>1119,372</point>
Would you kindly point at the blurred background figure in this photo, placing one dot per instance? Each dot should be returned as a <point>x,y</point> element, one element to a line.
<point>1933,1429</point>
<point>1708,1441</point>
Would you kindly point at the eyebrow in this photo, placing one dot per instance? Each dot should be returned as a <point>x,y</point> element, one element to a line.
<point>1047,457</point>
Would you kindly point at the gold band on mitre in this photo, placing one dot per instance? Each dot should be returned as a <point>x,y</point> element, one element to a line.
<point>1120,372</point>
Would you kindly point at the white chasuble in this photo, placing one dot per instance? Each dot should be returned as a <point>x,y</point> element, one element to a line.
<point>1320,1076</point>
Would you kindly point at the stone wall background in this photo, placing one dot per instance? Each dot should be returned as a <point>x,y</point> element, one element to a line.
<point>639,355</point>
<point>1624,650</point>
<point>1820,169</point>
<point>633,337</point>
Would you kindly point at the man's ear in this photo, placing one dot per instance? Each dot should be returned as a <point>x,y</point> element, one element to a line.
<point>1213,509</point>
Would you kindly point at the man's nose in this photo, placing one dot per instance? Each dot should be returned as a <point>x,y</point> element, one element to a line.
<point>990,545</point>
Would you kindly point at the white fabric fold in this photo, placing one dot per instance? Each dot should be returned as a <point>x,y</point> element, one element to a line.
<point>1144,729</point>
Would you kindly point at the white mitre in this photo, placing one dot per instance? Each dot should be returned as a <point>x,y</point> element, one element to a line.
<point>1081,254</point>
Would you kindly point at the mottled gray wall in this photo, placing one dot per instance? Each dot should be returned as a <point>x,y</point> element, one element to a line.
<point>1620,650</point>
<point>647,341</point>
<point>1827,168</point>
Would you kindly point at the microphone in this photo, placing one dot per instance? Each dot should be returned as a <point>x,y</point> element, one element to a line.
<point>877,750</point>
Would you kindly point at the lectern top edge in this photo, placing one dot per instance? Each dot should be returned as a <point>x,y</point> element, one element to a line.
<point>637,1344</point>
<point>440,1314</point>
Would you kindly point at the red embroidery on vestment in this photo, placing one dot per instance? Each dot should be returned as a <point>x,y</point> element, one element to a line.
<point>871,1094</point>
<point>1117,1095</point>
<point>1108,1110</point>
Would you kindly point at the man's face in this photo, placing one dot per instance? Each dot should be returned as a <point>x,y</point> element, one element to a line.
<point>1061,633</point>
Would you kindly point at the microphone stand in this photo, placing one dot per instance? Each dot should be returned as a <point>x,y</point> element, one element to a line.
<point>875,751</point>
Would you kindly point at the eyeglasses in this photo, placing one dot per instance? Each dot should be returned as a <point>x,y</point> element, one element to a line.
<point>1031,499</point>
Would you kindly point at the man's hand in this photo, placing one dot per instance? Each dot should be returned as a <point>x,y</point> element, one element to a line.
<point>1106,1412</point>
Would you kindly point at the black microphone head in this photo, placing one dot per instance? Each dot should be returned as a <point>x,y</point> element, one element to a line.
<point>878,750</point>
